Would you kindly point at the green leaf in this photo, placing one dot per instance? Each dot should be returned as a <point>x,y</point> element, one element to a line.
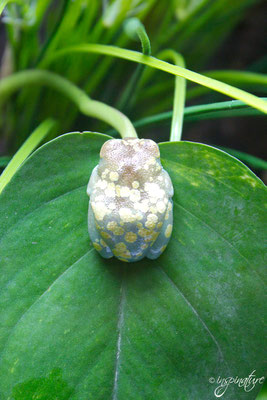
<point>76,326</point>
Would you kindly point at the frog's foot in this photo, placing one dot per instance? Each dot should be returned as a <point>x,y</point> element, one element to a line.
<point>98,243</point>
<point>162,240</point>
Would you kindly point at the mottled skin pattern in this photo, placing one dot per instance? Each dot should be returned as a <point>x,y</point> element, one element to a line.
<point>130,209</point>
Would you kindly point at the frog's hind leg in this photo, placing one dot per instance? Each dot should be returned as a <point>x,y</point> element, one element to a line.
<point>98,243</point>
<point>162,240</point>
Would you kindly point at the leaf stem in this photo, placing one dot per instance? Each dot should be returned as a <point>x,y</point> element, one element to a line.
<point>25,150</point>
<point>134,29</point>
<point>135,56</point>
<point>87,106</point>
<point>179,96</point>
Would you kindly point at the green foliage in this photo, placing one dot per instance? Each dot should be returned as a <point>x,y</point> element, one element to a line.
<point>150,330</point>
<point>76,326</point>
<point>40,28</point>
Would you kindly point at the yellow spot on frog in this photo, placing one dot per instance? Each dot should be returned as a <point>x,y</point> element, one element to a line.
<point>161,207</point>
<point>150,224</point>
<point>110,190</point>
<point>114,176</point>
<point>151,161</point>
<point>111,225</point>
<point>130,237</point>
<point>153,209</point>
<point>104,174</point>
<point>102,184</point>
<point>135,184</point>
<point>168,231</point>
<point>118,190</point>
<point>103,243</point>
<point>105,235</point>
<point>126,215</point>
<point>118,231</point>
<point>125,191</point>
<point>100,210</point>
<point>112,206</point>
<point>144,232</point>
<point>135,195</point>
<point>141,206</point>
<point>97,246</point>
<point>121,247</point>
<point>121,250</point>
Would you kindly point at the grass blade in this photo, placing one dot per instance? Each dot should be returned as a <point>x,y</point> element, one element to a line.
<point>25,150</point>
<point>223,109</point>
<point>135,56</point>
<point>179,96</point>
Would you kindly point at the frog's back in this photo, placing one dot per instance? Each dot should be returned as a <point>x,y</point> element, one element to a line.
<point>130,200</point>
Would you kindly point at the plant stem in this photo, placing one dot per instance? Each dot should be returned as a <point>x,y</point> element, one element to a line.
<point>179,96</point>
<point>135,56</point>
<point>87,106</point>
<point>25,150</point>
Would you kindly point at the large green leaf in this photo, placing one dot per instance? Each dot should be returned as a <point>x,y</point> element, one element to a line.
<point>76,326</point>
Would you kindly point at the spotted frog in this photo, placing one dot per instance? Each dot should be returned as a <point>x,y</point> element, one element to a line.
<point>130,209</point>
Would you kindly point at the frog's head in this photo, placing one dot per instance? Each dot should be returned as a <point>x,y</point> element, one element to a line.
<point>130,153</point>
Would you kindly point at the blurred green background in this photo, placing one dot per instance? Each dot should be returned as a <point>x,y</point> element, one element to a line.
<point>212,35</point>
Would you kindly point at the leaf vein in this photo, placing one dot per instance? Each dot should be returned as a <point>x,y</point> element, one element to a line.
<point>199,172</point>
<point>220,235</point>
<point>42,295</point>
<point>37,208</point>
<point>190,305</point>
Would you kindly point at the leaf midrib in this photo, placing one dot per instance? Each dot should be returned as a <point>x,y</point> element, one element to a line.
<point>119,330</point>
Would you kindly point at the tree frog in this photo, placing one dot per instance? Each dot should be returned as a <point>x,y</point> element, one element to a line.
<point>130,209</point>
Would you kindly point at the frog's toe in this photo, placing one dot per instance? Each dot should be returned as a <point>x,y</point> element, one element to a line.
<point>162,240</point>
<point>98,243</point>
<point>103,248</point>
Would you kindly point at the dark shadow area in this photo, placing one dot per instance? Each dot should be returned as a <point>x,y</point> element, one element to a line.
<point>52,387</point>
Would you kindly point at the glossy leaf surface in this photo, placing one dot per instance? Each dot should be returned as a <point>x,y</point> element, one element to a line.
<point>76,326</point>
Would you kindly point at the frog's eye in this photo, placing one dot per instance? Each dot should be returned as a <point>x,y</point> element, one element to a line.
<point>109,147</point>
<point>151,148</point>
